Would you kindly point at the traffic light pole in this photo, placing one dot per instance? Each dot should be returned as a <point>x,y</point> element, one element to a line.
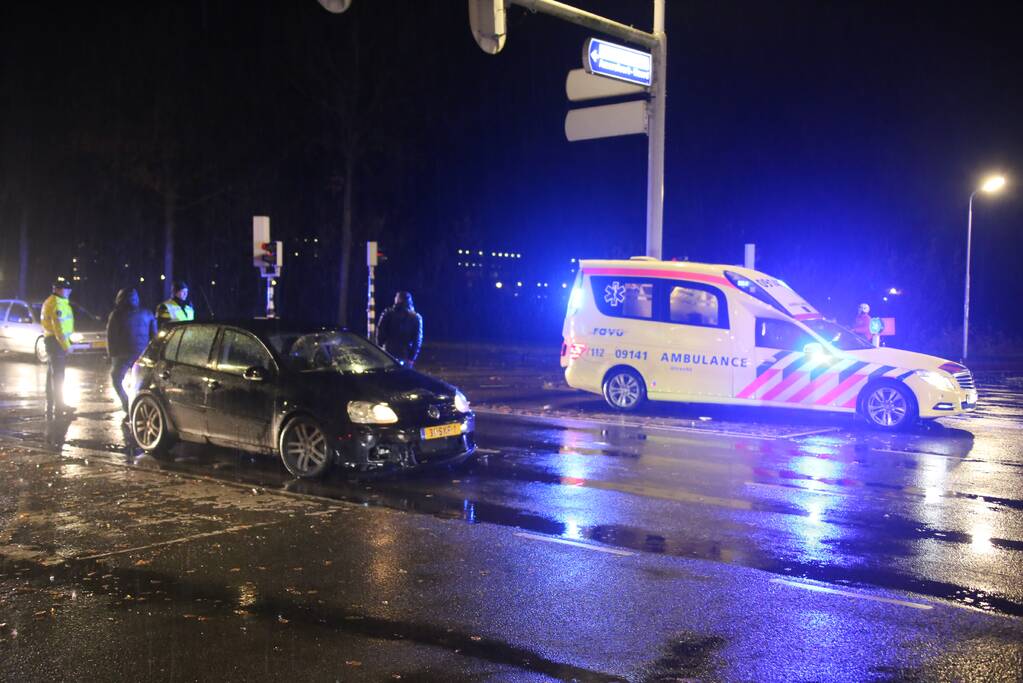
<point>271,310</point>
<point>657,43</point>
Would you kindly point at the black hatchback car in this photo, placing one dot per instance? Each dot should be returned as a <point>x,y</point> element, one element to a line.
<point>314,395</point>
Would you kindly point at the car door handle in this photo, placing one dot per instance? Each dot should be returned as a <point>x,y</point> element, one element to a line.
<point>212,383</point>
<point>164,374</point>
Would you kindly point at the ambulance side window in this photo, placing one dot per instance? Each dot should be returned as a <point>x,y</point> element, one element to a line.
<point>691,303</point>
<point>778,334</point>
<point>624,297</point>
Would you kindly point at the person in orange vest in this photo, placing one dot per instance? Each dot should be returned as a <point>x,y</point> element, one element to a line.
<point>58,321</point>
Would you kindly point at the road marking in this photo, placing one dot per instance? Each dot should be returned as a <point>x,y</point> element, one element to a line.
<point>176,541</point>
<point>487,450</point>
<point>814,432</point>
<point>850,594</point>
<point>577,544</point>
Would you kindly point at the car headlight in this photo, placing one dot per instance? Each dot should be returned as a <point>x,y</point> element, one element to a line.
<point>76,337</point>
<point>367,413</point>
<point>936,380</point>
<point>461,402</point>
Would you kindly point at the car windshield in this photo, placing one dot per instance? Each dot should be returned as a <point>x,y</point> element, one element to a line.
<point>331,351</point>
<point>838,336</point>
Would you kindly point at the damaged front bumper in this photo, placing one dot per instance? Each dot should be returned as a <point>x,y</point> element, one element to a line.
<point>376,447</point>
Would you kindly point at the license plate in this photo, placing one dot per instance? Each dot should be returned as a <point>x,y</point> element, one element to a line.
<point>441,431</point>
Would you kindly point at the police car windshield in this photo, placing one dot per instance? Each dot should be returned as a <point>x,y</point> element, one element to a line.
<point>744,284</point>
<point>340,352</point>
<point>838,336</point>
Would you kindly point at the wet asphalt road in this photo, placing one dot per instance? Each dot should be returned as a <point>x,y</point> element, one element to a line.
<point>684,542</point>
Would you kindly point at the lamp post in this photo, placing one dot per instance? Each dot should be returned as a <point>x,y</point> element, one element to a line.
<point>990,185</point>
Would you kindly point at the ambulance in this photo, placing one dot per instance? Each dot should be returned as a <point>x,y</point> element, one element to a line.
<point>643,329</point>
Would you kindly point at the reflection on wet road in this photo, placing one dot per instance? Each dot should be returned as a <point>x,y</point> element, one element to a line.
<point>937,512</point>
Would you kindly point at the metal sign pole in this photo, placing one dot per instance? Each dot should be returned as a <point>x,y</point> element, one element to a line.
<point>655,137</point>
<point>271,311</point>
<point>371,262</point>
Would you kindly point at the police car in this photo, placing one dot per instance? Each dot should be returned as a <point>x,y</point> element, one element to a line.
<point>643,328</point>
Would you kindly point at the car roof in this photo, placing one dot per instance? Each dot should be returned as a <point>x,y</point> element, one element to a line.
<point>669,268</point>
<point>268,326</point>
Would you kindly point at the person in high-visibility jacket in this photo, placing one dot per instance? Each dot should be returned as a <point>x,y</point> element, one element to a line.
<point>58,321</point>
<point>177,308</point>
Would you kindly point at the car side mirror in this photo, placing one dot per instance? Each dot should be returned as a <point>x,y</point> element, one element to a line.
<point>255,374</point>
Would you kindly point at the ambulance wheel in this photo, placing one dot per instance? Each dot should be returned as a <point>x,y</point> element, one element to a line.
<point>889,406</point>
<point>624,389</point>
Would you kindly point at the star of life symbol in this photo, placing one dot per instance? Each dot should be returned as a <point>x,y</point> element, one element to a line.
<point>614,293</point>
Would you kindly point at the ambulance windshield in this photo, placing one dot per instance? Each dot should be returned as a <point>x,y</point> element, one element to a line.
<point>754,290</point>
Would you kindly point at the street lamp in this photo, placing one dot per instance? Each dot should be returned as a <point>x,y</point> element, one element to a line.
<point>990,185</point>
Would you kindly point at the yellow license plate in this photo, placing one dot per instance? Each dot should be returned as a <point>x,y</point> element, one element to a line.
<point>441,431</point>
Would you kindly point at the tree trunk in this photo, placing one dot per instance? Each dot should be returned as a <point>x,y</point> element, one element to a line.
<point>346,240</point>
<point>23,254</point>
<point>170,207</point>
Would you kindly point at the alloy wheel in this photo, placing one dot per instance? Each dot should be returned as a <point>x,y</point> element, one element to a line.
<point>147,424</point>
<point>623,390</point>
<point>887,407</point>
<point>305,447</point>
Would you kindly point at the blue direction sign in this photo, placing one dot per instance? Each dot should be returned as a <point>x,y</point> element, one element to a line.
<point>617,61</point>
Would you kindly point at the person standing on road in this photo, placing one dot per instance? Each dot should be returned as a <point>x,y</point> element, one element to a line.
<point>58,321</point>
<point>177,308</point>
<point>129,330</point>
<point>400,330</point>
<point>861,325</point>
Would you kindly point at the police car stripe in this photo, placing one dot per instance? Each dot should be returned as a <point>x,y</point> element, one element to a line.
<point>811,387</point>
<point>824,367</point>
<point>905,375</point>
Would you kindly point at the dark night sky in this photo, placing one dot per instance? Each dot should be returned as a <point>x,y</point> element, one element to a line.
<point>843,138</point>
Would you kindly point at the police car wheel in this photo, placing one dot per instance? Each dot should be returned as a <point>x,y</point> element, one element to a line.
<point>149,426</point>
<point>41,355</point>
<point>624,389</point>
<point>889,406</point>
<point>305,450</point>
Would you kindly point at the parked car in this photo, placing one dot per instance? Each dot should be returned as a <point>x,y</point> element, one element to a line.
<point>694,332</point>
<point>21,329</point>
<point>313,395</point>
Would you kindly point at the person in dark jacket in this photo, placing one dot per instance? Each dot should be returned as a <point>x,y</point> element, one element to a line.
<point>400,330</point>
<point>129,330</point>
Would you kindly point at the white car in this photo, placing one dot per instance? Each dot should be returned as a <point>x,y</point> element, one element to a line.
<point>679,331</point>
<point>22,332</point>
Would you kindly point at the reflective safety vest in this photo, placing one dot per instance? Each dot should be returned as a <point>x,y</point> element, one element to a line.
<point>58,320</point>
<point>172,312</point>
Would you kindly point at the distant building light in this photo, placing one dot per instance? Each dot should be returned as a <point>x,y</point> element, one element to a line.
<point>499,285</point>
<point>564,285</point>
<point>162,276</point>
<point>74,260</point>
<point>894,291</point>
<point>518,284</point>
<point>571,261</point>
<point>272,282</point>
<point>884,298</point>
<point>546,284</point>
<point>141,279</point>
<point>539,284</point>
<point>214,282</point>
<point>481,253</point>
<point>296,253</point>
<point>493,253</point>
